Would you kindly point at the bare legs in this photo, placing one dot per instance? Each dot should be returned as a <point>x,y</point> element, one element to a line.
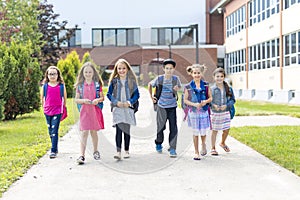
<point>222,144</point>
<point>196,145</point>
<point>84,137</point>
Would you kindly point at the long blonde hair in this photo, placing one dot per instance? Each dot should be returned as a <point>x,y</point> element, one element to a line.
<point>96,76</point>
<point>130,73</point>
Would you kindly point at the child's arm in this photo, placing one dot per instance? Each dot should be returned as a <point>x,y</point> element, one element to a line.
<point>65,96</point>
<point>154,99</point>
<point>187,101</point>
<point>42,96</point>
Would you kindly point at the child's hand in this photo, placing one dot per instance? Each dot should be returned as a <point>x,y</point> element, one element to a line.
<point>126,105</point>
<point>216,107</point>
<point>87,101</point>
<point>176,88</point>
<point>95,102</point>
<point>223,107</point>
<point>154,99</point>
<point>120,104</point>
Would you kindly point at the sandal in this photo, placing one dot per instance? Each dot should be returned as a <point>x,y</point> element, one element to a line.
<point>225,147</point>
<point>197,157</point>
<point>203,152</point>
<point>214,152</point>
<point>96,155</point>
<point>80,160</point>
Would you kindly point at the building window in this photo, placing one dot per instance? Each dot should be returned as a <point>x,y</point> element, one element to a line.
<point>74,41</point>
<point>259,10</point>
<point>236,22</point>
<point>288,3</point>
<point>235,61</point>
<point>172,36</point>
<point>116,37</point>
<point>291,48</point>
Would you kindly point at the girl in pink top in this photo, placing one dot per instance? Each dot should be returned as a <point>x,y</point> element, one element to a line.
<point>52,104</point>
<point>91,117</point>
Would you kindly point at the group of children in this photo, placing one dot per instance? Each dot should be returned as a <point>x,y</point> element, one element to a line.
<point>123,93</point>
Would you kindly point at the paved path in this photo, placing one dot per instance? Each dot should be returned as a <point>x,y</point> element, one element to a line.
<point>241,174</point>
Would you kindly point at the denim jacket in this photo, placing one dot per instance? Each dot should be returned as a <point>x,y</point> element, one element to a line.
<point>218,98</point>
<point>115,96</point>
<point>197,95</point>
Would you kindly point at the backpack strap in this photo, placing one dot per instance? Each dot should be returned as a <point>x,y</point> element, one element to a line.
<point>45,88</point>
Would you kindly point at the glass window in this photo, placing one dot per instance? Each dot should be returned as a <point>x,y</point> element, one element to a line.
<point>121,37</point>
<point>109,37</point>
<point>293,43</point>
<point>97,37</point>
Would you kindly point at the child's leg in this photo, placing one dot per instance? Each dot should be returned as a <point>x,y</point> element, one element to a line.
<point>84,136</point>
<point>213,139</point>
<point>203,140</point>
<point>196,143</point>
<point>94,135</point>
<point>161,119</point>
<point>172,117</point>
<point>118,137</point>
<point>53,127</point>
<point>126,136</point>
<point>224,136</point>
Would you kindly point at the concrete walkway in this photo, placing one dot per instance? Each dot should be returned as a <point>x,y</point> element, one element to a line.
<point>241,174</point>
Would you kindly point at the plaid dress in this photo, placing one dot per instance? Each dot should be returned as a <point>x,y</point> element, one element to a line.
<point>199,121</point>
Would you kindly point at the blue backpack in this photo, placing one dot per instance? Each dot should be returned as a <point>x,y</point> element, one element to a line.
<point>97,86</point>
<point>61,86</point>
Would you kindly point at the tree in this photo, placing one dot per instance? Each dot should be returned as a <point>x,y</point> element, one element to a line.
<point>19,30</point>
<point>22,94</point>
<point>53,37</point>
<point>68,73</point>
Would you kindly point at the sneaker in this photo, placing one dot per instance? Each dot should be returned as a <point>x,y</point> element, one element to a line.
<point>117,156</point>
<point>96,155</point>
<point>173,153</point>
<point>52,155</point>
<point>126,155</point>
<point>80,160</point>
<point>159,148</point>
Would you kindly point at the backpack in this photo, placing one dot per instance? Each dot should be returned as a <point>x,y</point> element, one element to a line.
<point>186,107</point>
<point>232,108</point>
<point>97,87</point>
<point>134,106</point>
<point>158,89</point>
<point>64,108</point>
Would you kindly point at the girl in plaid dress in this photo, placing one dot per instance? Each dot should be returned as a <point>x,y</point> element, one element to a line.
<point>197,96</point>
<point>223,99</point>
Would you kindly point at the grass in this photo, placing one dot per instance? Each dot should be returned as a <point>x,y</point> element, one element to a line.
<point>278,143</point>
<point>25,140</point>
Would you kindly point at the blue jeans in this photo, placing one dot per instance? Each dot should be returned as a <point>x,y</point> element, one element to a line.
<point>53,126</point>
<point>164,114</point>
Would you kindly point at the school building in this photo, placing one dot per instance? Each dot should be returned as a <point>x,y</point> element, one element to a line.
<point>256,41</point>
<point>262,48</point>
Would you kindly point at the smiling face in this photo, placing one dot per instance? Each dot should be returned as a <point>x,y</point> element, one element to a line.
<point>52,75</point>
<point>219,78</point>
<point>88,73</point>
<point>196,74</point>
<point>122,70</point>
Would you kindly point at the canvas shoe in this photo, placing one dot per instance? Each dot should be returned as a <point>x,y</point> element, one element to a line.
<point>173,153</point>
<point>126,155</point>
<point>52,155</point>
<point>96,155</point>
<point>117,156</point>
<point>80,160</point>
<point>159,148</point>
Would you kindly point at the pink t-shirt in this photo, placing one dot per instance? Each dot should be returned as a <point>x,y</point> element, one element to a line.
<point>53,101</point>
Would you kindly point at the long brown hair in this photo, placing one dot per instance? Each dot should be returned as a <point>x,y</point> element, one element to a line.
<point>222,71</point>
<point>130,73</point>
<point>96,76</point>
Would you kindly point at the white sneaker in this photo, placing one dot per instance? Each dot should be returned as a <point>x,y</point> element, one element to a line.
<point>126,154</point>
<point>118,156</point>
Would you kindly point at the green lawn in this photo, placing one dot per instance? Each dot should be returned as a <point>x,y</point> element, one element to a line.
<point>25,140</point>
